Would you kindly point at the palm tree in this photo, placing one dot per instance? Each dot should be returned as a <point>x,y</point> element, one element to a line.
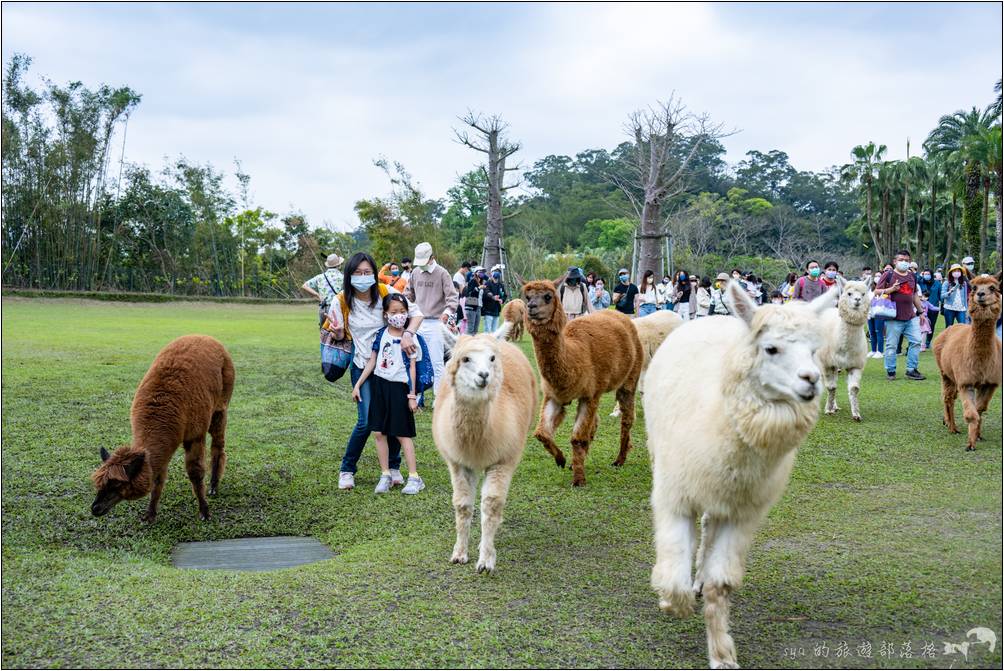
<point>995,106</point>
<point>986,150</point>
<point>862,170</point>
<point>958,134</point>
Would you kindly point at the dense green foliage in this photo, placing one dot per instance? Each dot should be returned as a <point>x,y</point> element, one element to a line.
<point>888,533</point>
<point>76,218</point>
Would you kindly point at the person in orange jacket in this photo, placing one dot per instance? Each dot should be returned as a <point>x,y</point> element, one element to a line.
<point>390,275</point>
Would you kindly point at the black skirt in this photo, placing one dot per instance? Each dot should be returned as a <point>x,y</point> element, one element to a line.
<point>389,411</point>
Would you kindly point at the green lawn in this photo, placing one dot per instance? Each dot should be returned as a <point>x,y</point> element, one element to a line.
<point>889,534</point>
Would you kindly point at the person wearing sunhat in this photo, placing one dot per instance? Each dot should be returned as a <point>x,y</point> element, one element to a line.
<point>718,306</point>
<point>969,264</point>
<point>955,296</point>
<point>326,285</point>
<point>431,287</point>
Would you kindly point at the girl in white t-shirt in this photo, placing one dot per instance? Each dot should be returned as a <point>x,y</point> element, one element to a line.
<point>393,397</point>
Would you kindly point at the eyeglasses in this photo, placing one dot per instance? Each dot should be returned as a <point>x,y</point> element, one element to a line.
<point>361,271</point>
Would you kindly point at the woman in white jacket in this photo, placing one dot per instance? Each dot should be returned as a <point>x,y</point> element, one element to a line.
<point>665,293</point>
<point>704,297</point>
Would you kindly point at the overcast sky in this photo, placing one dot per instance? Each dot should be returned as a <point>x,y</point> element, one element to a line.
<point>307,95</point>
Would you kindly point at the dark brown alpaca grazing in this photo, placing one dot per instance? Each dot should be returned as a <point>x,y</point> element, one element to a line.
<point>969,356</point>
<point>581,360</point>
<point>184,395</point>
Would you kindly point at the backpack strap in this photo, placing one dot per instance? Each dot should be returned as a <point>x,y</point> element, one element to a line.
<point>344,307</point>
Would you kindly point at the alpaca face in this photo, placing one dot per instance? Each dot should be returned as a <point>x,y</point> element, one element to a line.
<point>477,367</point>
<point>120,477</point>
<point>541,299</point>
<point>985,298</point>
<point>785,342</point>
<point>855,299</point>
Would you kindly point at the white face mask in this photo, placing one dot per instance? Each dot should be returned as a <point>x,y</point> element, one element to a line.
<point>957,274</point>
<point>397,320</point>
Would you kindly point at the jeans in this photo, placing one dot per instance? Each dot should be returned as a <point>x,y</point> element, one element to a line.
<point>431,331</point>
<point>911,331</point>
<point>491,323</point>
<point>932,316</point>
<point>646,309</point>
<point>669,305</point>
<point>473,315</point>
<point>361,432</point>
<point>953,316</point>
<point>876,330</point>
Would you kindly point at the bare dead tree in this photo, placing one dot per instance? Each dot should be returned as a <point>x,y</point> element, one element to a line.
<point>487,134</point>
<point>657,168</point>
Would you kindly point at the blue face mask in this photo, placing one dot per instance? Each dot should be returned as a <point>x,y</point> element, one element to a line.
<point>496,276</point>
<point>622,278</point>
<point>395,273</point>
<point>362,282</point>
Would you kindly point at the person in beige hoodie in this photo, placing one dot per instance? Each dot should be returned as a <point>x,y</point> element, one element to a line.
<point>431,287</point>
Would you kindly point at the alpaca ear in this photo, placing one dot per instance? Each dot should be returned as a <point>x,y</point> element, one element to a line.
<point>503,331</point>
<point>739,302</point>
<point>104,454</point>
<point>821,304</point>
<point>870,282</point>
<point>449,337</point>
<point>134,467</point>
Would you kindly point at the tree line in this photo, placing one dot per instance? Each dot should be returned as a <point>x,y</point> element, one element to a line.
<point>75,217</point>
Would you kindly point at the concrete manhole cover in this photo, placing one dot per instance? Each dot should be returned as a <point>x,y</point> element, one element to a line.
<point>250,554</point>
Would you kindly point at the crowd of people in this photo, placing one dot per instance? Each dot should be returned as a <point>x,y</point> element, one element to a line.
<point>391,312</point>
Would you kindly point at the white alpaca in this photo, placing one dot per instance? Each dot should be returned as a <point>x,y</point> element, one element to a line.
<point>485,406</point>
<point>845,347</point>
<point>729,401</point>
<point>652,330</point>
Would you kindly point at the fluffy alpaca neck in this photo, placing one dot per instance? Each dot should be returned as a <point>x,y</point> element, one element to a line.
<point>852,320</point>
<point>983,336</point>
<point>549,346</point>
<point>773,426</point>
<point>471,418</point>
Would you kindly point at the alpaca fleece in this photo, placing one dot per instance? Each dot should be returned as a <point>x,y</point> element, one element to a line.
<point>580,361</point>
<point>483,430</point>
<point>185,394</point>
<point>969,358</point>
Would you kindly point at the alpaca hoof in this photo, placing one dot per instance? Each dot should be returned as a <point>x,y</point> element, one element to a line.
<point>724,664</point>
<point>148,517</point>
<point>212,490</point>
<point>486,566</point>
<point>560,460</point>
<point>677,604</point>
<point>459,558</point>
<point>970,448</point>
<point>204,515</point>
<point>578,482</point>
<point>698,588</point>
<point>857,418</point>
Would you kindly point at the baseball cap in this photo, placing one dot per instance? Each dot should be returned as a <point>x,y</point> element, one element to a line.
<point>423,252</point>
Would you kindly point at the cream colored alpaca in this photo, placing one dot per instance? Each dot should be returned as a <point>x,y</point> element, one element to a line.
<point>729,401</point>
<point>846,347</point>
<point>485,405</point>
<point>652,330</point>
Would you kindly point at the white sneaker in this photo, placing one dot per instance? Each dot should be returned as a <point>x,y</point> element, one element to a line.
<point>383,485</point>
<point>346,480</point>
<point>414,486</point>
<point>396,478</point>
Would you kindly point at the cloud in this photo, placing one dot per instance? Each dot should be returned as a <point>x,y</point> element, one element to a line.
<point>308,95</point>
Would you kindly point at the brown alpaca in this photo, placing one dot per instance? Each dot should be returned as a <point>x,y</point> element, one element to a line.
<point>514,311</point>
<point>969,356</point>
<point>581,360</point>
<point>184,394</point>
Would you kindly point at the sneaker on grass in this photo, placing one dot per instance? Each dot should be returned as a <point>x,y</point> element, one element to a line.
<point>890,375</point>
<point>414,485</point>
<point>396,478</point>
<point>915,375</point>
<point>383,485</point>
<point>346,480</point>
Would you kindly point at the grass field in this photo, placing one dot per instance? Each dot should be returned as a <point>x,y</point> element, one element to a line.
<point>889,534</point>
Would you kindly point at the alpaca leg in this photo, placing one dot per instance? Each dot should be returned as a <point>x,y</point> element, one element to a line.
<point>464,484</point>
<point>723,573</point>
<point>218,456</point>
<point>709,526</point>
<point>625,399</point>
<point>971,415</point>
<point>674,548</point>
<point>853,387</point>
<point>158,487</point>
<point>983,396</point>
<point>721,647</point>
<point>585,420</point>
<point>494,492</point>
<point>830,382</point>
<point>948,394</point>
<point>551,415</point>
<point>194,453</point>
